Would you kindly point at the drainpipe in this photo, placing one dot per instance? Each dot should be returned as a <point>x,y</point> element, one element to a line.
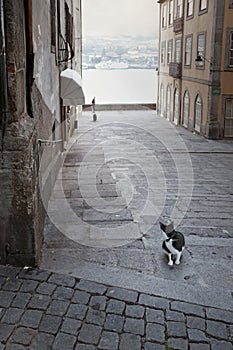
<point>3,76</point>
<point>158,106</point>
<point>81,38</point>
<point>182,65</point>
<point>29,55</point>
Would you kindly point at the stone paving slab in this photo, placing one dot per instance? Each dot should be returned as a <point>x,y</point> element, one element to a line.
<point>92,215</point>
<point>62,312</point>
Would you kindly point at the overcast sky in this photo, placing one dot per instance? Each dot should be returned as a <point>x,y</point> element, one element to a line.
<point>120,17</point>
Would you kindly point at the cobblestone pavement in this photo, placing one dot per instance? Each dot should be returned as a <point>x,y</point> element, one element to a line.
<point>43,310</point>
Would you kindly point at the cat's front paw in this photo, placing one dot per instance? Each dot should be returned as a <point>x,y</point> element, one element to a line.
<point>177,262</point>
<point>170,263</point>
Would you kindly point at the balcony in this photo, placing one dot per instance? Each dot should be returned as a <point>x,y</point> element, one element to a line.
<point>178,25</point>
<point>175,70</point>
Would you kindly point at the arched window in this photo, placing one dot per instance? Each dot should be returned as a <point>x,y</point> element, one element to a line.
<point>186,108</point>
<point>168,103</point>
<point>161,100</point>
<point>198,113</point>
<point>176,107</point>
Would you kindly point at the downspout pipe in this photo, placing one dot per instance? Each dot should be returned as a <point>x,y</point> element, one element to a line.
<point>158,106</point>
<point>4,111</point>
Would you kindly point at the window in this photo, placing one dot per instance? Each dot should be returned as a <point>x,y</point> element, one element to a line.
<point>170,15</point>
<point>179,9</point>
<point>54,131</point>
<point>188,51</point>
<point>53,24</point>
<point>161,100</point>
<point>178,51</point>
<point>186,106</point>
<point>69,26</point>
<point>168,103</point>
<point>163,52</point>
<point>203,5</point>
<point>169,51</point>
<point>190,8</point>
<point>229,50</point>
<point>176,107</point>
<point>228,127</point>
<point>164,16</point>
<point>230,60</point>
<point>201,48</point>
<point>198,114</point>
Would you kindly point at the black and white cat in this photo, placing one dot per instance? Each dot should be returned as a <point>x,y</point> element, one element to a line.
<point>174,242</point>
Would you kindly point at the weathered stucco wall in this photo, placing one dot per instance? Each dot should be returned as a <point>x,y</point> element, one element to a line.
<point>21,209</point>
<point>34,115</point>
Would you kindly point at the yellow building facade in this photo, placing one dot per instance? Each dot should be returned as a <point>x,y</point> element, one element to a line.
<point>195,74</point>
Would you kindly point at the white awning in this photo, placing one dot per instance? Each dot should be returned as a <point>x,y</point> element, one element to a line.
<point>71,88</point>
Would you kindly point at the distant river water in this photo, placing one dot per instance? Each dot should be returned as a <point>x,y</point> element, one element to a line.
<point>120,86</point>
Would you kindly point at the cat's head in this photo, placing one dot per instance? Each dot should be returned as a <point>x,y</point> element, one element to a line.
<point>167,226</point>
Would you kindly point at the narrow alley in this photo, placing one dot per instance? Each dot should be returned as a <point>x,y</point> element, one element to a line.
<point>115,117</point>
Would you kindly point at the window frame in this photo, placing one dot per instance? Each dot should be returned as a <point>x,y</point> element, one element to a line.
<point>163,53</point>
<point>192,14</point>
<point>168,102</point>
<point>179,9</point>
<point>69,26</point>
<point>188,65</point>
<point>180,51</point>
<point>176,106</point>
<point>201,65</point>
<point>186,108</point>
<point>164,16</point>
<point>196,111</point>
<point>205,9</point>
<point>227,118</point>
<point>170,12</point>
<point>228,50</point>
<point>169,51</point>
<point>162,100</point>
<point>53,26</point>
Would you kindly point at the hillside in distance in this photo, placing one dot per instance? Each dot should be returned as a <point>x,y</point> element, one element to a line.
<point>127,52</point>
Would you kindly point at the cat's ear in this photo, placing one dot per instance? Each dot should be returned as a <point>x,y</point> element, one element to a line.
<point>163,228</point>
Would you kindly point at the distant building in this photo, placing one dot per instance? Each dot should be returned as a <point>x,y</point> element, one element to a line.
<point>136,52</point>
<point>40,58</point>
<point>195,72</point>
